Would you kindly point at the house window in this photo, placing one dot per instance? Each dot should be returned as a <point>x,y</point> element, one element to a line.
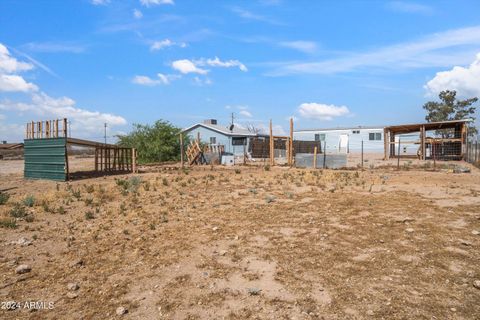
<point>238,141</point>
<point>374,136</point>
<point>319,136</point>
<point>355,131</point>
<point>213,140</point>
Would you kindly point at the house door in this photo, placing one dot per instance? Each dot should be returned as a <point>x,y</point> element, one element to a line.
<point>343,143</point>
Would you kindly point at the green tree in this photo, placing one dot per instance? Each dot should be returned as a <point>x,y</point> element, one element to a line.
<point>450,108</point>
<point>155,143</point>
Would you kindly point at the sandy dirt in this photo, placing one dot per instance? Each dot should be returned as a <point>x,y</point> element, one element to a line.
<point>220,243</point>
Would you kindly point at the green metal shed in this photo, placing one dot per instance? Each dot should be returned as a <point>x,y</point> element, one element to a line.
<point>46,158</point>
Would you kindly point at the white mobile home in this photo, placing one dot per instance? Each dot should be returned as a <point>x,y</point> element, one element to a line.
<point>345,140</point>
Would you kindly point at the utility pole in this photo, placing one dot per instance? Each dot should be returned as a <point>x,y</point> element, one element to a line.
<point>70,129</point>
<point>105,133</point>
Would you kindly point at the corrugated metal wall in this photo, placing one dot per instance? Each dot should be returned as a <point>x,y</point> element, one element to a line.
<point>45,159</point>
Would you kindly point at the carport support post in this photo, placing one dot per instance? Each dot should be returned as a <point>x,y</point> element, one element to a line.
<point>398,155</point>
<point>422,135</point>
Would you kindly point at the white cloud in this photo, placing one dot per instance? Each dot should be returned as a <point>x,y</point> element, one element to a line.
<point>148,3</point>
<point>245,113</point>
<point>137,14</point>
<point>100,2</point>
<point>466,81</point>
<point>9,80</point>
<point>159,45</point>
<point>186,66</point>
<point>202,82</point>
<point>320,111</point>
<point>277,130</point>
<point>409,7</point>
<point>443,49</point>
<point>87,122</point>
<point>216,62</point>
<point>43,105</point>
<point>12,83</point>
<point>147,81</point>
<point>303,46</point>
<point>248,15</point>
<point>54,47</point>
<point>9,64</point>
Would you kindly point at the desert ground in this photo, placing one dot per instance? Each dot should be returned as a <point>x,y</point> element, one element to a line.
<point>249,242</point>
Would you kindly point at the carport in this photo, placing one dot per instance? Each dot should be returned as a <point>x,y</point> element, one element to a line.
<point>452,145</point>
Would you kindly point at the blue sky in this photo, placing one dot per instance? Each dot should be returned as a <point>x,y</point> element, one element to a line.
<point>326,63</point>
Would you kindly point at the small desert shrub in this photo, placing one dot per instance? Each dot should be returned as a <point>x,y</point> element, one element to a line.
<point>165,181</point>
<point>29,218</point>
<point>89,215</point>
<point>4,197</point>
<point>164,218</point>
<point>237,171</point>
<point>129,185</point>
<point>90,188</point>
<point>123,209</point>
<point>46,206</point>
<point>76,194</point>
<point>88,201</point>
<point>8,223</point>
<point>29,201</point>
<point>146,186</point>
<point>267,167</point>
<point>270,198</point>
<point>61,210</point>
<point>18,211</point>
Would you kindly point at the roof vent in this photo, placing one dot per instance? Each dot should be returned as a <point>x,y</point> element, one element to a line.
<point>210,121</point>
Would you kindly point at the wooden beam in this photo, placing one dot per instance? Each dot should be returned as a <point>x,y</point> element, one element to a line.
<point>422,143</point>
<point>65,129</point>
<point>181,149</point>
<point>290,154</point>
<point>385,144</point>
<point>134,160</point>
<point>272,161</point>
<point>315,157</point>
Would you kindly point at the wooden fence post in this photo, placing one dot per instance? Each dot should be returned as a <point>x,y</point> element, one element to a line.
<point>272,155</point>
<point>181,149</point>
<point>315,157</point>
<point>134,160</point>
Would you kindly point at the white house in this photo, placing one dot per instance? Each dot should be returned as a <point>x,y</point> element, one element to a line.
<point>234,139</point>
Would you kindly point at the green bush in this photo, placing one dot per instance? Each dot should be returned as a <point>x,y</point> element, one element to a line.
<point>154,143</point>
<point>4,197</point>
<point>18,211</point>
<point>8,223</point>
<point>29,201</point>
<point>89,215</point>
